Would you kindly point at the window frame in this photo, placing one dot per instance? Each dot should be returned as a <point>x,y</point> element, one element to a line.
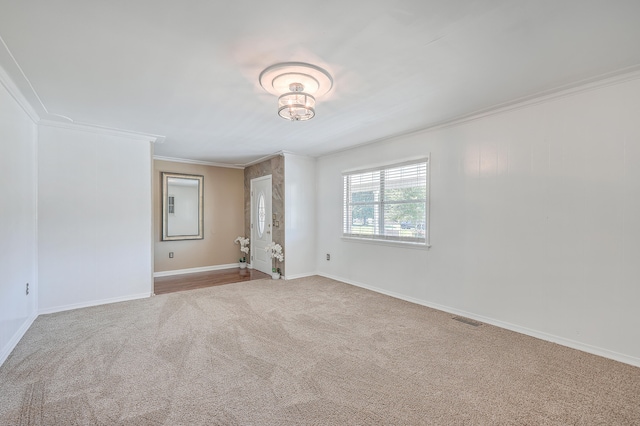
<point>379,206</point>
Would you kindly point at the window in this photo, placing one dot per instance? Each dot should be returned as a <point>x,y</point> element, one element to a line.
<point>388,203</point>
<point>262,214</point>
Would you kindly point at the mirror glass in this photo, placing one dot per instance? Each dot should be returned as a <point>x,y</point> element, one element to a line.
<point>182,207</point>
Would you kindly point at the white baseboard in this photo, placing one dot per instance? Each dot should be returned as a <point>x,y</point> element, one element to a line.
<point>627,359</point>
<point>94,303</point>
<point>293,277</point>
<point>193,270</point>
<point>11,344</point>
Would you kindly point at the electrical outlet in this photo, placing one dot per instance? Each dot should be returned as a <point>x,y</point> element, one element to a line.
<point>328,256</point>
<point>170,255</point>
<point>27,291</point>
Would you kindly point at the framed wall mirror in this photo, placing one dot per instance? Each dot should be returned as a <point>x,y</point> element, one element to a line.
<point>182,207</point>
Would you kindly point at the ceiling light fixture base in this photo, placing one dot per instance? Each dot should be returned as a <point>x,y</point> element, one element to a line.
<point>277,78</point>
<point>296,84</point>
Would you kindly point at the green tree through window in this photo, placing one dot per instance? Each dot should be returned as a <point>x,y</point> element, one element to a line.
<point>388,203</point>
<point>361,213</point>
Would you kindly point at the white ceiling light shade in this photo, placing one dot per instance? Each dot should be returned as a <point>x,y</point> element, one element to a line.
<point>296,84</point>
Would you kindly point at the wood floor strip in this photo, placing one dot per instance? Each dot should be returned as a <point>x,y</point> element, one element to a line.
<point>170,284</point>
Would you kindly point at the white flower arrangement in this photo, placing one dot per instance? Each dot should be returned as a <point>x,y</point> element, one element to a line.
<point>244,247</point>
<point>275,252</point>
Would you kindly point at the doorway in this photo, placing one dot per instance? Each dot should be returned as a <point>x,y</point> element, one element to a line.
<point>261,234</point>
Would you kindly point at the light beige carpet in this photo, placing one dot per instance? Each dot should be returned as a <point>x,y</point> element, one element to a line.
<point>303,352</point>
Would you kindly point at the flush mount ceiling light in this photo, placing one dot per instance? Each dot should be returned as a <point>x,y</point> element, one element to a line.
<point>296,84</point>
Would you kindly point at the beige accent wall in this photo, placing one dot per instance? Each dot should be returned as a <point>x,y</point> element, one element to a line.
<point>223,219</point>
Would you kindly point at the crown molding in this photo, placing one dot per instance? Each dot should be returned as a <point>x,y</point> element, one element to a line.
<point>17,95</point>
<point>101,130</point>
<point>46,118</point>
<point>265,158</point>
<point>571,89</point>
<point>198,162</point>
<point>233,166</point>
<point>18,85</point>
<point>586,85</point>
<point>293,154</point>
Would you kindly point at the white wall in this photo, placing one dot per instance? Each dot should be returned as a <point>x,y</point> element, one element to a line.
<point>17,223</point>
<point>94,221</point>
<point>535,220</point>
<point>300,215</point>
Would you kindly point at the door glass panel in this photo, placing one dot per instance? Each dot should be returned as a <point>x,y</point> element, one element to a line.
<point>261,214</point>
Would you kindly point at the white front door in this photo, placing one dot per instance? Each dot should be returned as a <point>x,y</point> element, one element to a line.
<point>261,223</point>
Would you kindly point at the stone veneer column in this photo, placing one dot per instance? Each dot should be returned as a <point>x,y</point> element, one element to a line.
<point>274,167</point>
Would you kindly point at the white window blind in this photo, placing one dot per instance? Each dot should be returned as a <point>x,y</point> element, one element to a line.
<point>388,203</point>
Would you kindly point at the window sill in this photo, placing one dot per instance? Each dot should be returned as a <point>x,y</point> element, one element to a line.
<point>418,246</point>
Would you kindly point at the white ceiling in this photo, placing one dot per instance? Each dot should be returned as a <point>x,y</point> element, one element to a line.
<point>189,70</point>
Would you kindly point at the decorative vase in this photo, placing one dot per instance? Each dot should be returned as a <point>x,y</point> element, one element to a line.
<point>275,275</point>
<point>243,265</point>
